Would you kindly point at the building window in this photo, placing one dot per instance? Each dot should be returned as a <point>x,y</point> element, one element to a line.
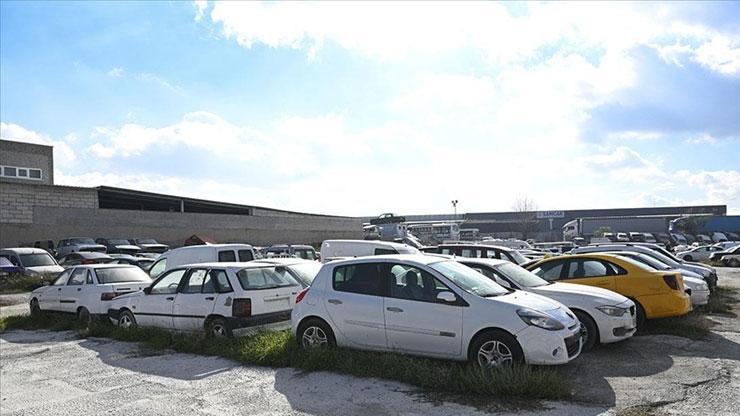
<point>20,172</point>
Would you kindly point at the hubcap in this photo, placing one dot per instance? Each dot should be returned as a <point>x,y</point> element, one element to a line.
<point>313,337</point>
<point>218,330</point>
<point>493,354</point>
<point>125,321</point>
<point>584,334</point>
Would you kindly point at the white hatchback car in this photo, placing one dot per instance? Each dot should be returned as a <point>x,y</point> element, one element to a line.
<point>216,297</point>
<point>431,306</point>
<point>605,316</point>
<point>87,290</point>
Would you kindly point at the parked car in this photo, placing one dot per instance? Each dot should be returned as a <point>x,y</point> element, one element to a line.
<point>605,316</point>
<point>623,237</point>
<point>698,253</point>
<point>730,257</point>
<point>635,236</point>
<point>610,236</point>
<point>118,245</point>
<point>149,245</point>
<point>207,253</point>
<point>733,236</point>
<point>697,289</point>
<point>703,239</point>
<point>87,290</point>
<point>335,249</point>
<point>479,251</point>
<point>678,239</point>
<point>47,245</point>
<point>142,262</point>
<point>218,298</point>
<point>656,294</point>
<point>649,238</point>
<point>293,250</point>
<point>73,245</point>
<point>707,273</point>
<point>304,271</point>
<point>32,261</point>
<point>7,268</point>
<point>84,257</point>
<point>726,245</point>
<point>435,307</point>
<point>718,237</point>
<point>663,238</point>
<point>690,238</point>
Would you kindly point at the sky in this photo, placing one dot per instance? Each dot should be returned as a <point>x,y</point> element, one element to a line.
<point>364,108</point>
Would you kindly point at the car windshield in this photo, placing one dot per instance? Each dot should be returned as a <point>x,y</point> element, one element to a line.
<point>147,241</point>
<point>468,279</point>
<point>305,253</point>
<point>5,262</point>
<point>522,277</point>
<point>665,253</point>
<point>518,257</point>
<point>37,259</point>
<point>118,242</point>
<point>76,241</point>
<point>306,272</point>
<point>265,278</point>
<point>121,275</point>
<point>654,263</point>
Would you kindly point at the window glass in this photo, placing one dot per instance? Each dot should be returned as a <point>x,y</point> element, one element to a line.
<point>586,268</point>
<point>8,171</point>
<point>265,278</point>
<point>62,279</point>
<point>121,275</point>
<point>468,279</point>
<point>246,255</point>
<point>382,251</point>
<point>220,278</point>
<point>470,252</point>
<point>520,275</point>
<point>306,272</point>
<point>304,253</point>
<point>195,281</point>
<point>226,256</point>
<point>209,284</point>
<point>23,173</point>
<point>37,259</point>
<point>358,278</point>
<point>34,173</point>
<point>78,277</point>
<point>407,282</point>
<point>549,271</point>
<point>168,284</point>
<point>158,268</point>
<point>89,279</point>
<point>447,251</point>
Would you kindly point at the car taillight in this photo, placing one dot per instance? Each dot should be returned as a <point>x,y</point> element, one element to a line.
<point>301,295</point>
<point>108,296</point>
<point>87,261</point>
<point>671,281</point>
<point>241,307</point>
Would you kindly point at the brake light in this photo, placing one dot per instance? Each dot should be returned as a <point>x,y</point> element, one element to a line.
<point>241,308</point>
<point>108,296</point>
<point>301,295</point>
<point>87,261</point>
<point>671,281</point>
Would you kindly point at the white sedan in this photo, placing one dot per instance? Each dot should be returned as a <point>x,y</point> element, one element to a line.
<point>605,316</point>
<point>698,253</point>
<point>435,307</point>
<point>86,290</point>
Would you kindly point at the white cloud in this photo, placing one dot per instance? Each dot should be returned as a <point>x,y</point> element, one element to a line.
<point>635,135</point>
<point>64,156</point>
<point>719,54</point>
<point>117,72</point>
<point>200,9</point>
<point>702,139</point>
<point>719,186</point>
<point>146,76</point>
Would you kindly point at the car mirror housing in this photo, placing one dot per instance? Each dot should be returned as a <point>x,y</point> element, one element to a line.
<point>446,297</point>
<point>148,290</point>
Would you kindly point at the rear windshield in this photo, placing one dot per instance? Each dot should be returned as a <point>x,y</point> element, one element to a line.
<point>305,253</point>
<point>265,278</point>
<point>38,259</point>
<point>75,241</point>
<point>306,272</point>
<point>119,242</point>
<point>121,275</point>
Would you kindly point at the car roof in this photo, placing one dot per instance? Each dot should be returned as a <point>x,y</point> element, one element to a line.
<point>24,250</point>
<point>90,254</point>
<point>417,258</point>
<point>367,242</point>
<point>227,265</point>
<point>490,262</point>
<point>103,266</point>
<point>284,261</point>
<point>477,246</point>
<point>201,246</point>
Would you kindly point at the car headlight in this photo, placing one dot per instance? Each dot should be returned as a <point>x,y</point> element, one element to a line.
<point>702,286</point>
<point>539,319</point>
<point>612,310</point>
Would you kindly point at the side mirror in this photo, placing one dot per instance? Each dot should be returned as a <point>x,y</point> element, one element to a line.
<point>503,283</point>
<point>446,297</point>
<point>148,290</point>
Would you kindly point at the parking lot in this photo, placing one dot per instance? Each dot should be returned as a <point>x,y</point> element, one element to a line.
<point>68,375</point>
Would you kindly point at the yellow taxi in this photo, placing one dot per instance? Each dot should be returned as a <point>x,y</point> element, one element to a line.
<point>657,294</point>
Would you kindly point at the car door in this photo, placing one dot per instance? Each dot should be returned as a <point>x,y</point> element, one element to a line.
<point>354,303</point>
<point>415,321</point>
<point>49,298</point>
<point>155,306</point>
<point>194,302</point>
<point>592,272</point>
<point>70,293</point>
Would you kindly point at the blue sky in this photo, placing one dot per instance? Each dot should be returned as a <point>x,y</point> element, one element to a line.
<point>360,108</point>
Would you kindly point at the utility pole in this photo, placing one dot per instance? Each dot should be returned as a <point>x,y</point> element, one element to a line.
<point>454,206</point>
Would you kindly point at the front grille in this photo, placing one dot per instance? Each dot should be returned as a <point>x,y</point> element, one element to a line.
<point>572,343</point>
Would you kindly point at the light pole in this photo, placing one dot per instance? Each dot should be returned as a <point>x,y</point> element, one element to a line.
<point>454,206</point>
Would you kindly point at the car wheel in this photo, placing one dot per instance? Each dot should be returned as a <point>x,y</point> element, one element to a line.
<point>83,316</point>
<point>126,319</point>
<point>589,331</point>
<point>734,263</point>
<point>35,308</point>
<point>640,312</point>
<point>315,333</point>
<point>688,258</point>
<point>218,328</point>
<point>493,349</point>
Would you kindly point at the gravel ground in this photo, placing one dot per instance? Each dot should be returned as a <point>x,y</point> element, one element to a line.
<point>14,304</point>
<point>70,376</point>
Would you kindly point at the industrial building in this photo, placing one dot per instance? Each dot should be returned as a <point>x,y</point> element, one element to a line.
<point>33,208</point>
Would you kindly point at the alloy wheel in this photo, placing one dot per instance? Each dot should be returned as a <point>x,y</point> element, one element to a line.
<point>125,321</point>
<point>314,337</point>
<point>494,354</point>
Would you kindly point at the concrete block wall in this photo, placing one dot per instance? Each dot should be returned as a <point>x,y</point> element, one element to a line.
<point>28,155</point>
<point>18,200</point>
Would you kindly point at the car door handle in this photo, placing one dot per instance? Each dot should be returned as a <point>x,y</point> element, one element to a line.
<point>210,298</point>
<point>79,289</point>
<point>170,298</point>
<point>394,309</point>
<point>335,301</point>
<point>59,289</point>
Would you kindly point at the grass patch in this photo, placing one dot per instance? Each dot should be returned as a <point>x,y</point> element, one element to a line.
<point>639,411</point>
<point>18,283</point>
<point>279,349</point>
<point>721,301</point>
<point>692,325</point>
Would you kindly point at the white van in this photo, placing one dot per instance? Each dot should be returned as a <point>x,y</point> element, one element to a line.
<point>336,249</point>
<point>209,253</point>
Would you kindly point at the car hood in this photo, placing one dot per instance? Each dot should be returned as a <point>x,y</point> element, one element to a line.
<point>692,283</point>
<point>522,299</point>
<point>52,269</point>
<point>597,295</point>
<point>88,247</point>
<point>702,270</point>
<point>127,247</point>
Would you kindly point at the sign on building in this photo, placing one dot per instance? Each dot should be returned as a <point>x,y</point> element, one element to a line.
<point>550,214</point>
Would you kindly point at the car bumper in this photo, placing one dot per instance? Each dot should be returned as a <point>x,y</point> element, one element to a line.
<point>260,320</point>
<point>541,346</point>
<point>616,328</point>
<point>699,297</point>
<point>674,303</point>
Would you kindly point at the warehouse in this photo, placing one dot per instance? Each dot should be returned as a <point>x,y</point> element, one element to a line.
<point>33,208</point>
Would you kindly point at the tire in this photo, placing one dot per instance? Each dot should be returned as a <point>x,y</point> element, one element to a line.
<point>126,319</point>
<point>83,316</point>
<point>35,308</point>
<point>589,331</point>
<point>315,333</point>
<point>688,258</point>
<point>734,263</point>
<point>218,328</point>
<point>495,348</point>
<point>640,312</point>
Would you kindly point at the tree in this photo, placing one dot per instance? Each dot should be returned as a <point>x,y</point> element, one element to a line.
<point>526,216</point>
<point>599,232</point>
